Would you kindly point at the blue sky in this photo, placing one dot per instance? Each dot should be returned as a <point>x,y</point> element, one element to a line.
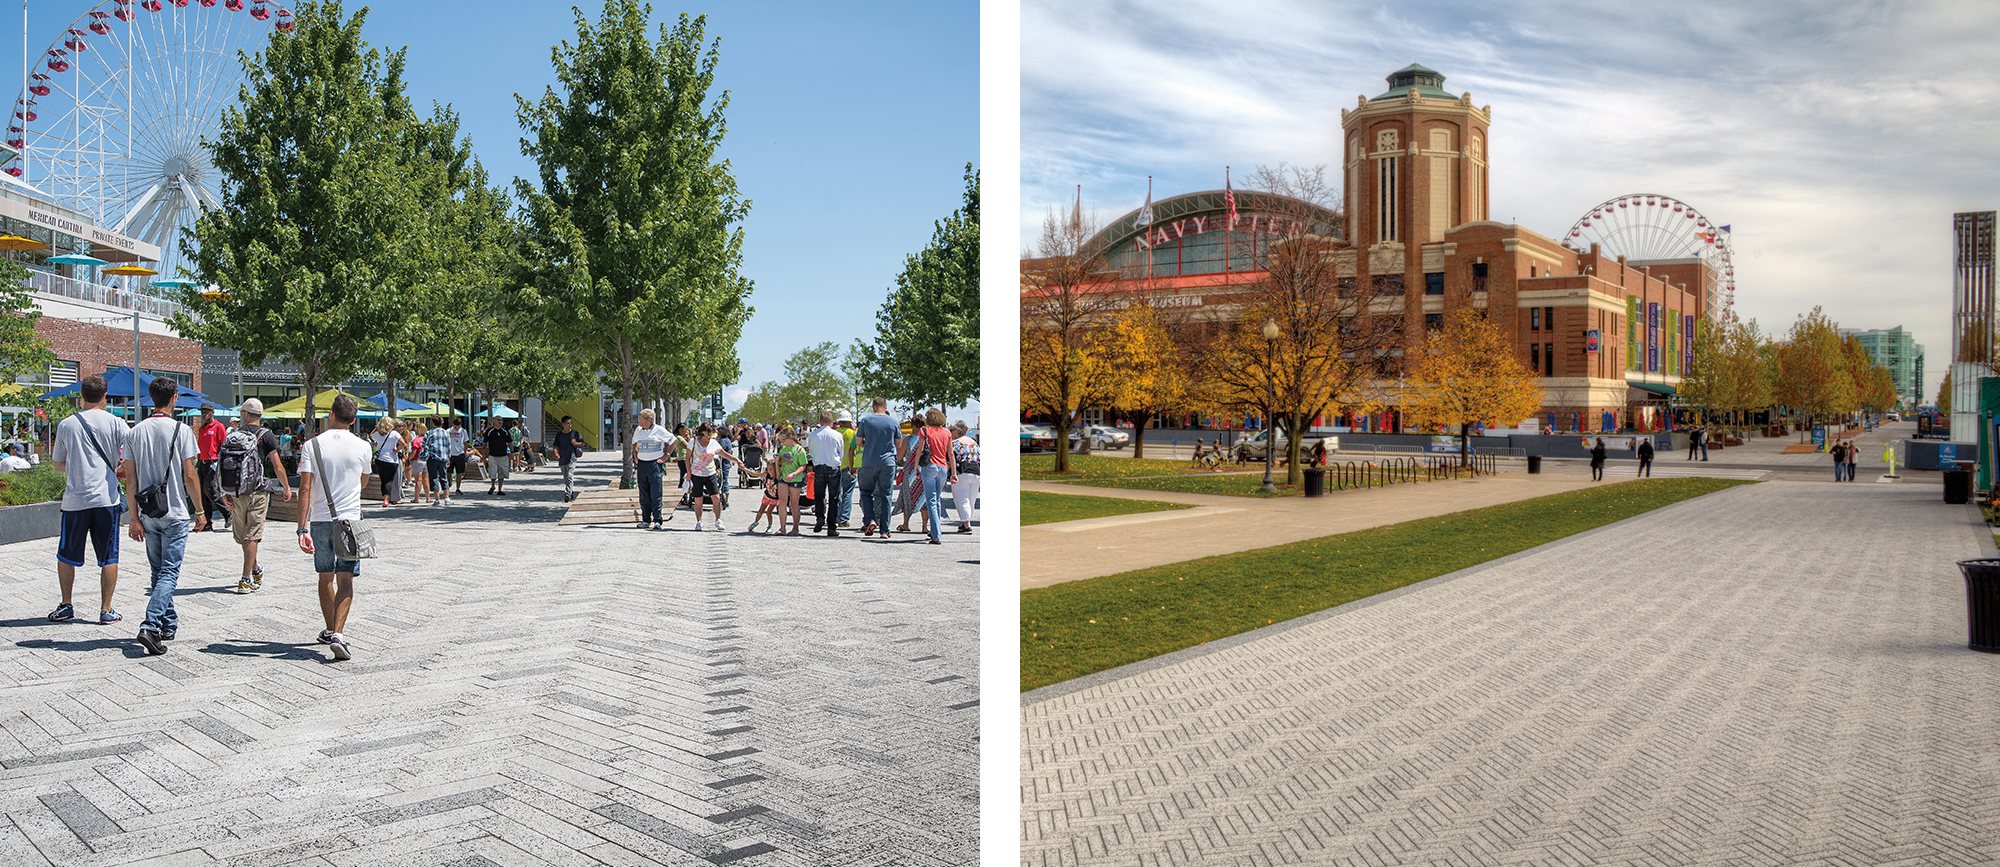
<point>1836,139</point>
<point>849,129</point>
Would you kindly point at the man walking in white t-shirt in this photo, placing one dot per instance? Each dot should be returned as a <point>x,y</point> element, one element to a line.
<point>88,451</point>
<point>163,452</point>
<point>330,472</point>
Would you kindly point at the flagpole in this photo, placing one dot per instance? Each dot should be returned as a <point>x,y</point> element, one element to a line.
<point>1229,226</point>
<point>1149,227</point>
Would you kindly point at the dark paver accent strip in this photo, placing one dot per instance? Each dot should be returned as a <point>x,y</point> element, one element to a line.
<point>946,678</point>
<point>732,731</point>
<point>723,626</point>
<point>474,861</point>
<point>730,649</point>
<point>526,672</point>
<point>892,625</point>
<point>589,704</point>
<point>83,818</point>
<point>731,709</point>
<point>724,662</point>
<point>730,754</point>
<point>219,731</point>
<point>370,746</point>
<point>735,781</point>
<point>907,640</point>
<point>926,658</point>
<point>738,813</point>
<point>728,855</point>
<point>444,804</point>
<point>168,669</point>
<point>665,832</point>
<point>869,756</point>
<point>737,691</point>
<point>963,705</point>
<point>791,825</point>
<point>721,637</point>
<point>723,676</point>
<point>72,755</point>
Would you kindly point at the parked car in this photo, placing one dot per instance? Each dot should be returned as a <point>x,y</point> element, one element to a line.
<point>1253,443</point>
<point>1109,437</point>
<point>1037,437</point>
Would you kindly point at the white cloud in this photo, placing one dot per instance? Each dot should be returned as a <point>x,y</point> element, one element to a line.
<point>736,396</point>
<point>1836,139</point>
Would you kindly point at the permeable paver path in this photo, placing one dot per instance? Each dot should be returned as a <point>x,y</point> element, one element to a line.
<point>1774,674</point>
<point>521,694</point>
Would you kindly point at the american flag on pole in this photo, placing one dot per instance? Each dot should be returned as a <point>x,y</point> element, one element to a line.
<point>1229,195</point>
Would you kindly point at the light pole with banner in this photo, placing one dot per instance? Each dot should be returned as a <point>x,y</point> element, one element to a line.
<point>1270,402</point>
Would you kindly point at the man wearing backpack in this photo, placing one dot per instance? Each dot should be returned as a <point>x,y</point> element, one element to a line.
<point>246,491</point>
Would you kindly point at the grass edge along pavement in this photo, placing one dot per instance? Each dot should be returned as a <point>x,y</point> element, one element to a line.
<point>1044,508</point>
<point>1083,627</point>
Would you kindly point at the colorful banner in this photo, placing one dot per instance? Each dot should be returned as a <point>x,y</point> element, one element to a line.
<point>1673,345</point>
<point>1632,332</point>
<point>1652,338</point>
<point>1590,340</point>
<point>1690,330</point>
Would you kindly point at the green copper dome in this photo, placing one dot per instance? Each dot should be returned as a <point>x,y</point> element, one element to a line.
<point>1428,82</point>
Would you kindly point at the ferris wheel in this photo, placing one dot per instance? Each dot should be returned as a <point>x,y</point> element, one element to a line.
<point>111,119</point>
<point>1649,226</point>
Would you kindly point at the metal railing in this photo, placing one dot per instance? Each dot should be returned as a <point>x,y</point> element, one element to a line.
<point>1345,475</point>
<point>109,296</point>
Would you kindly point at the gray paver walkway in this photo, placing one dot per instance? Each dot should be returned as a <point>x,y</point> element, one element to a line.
<point>521,694</point>
<point>1686,687</point>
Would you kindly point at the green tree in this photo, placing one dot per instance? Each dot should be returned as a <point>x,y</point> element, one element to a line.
<point>317,204</point>
<point>814,383</point>
<point>1812,368</point>
<point>926,347</point>
<point>21,352</point>
<point>628,228</point>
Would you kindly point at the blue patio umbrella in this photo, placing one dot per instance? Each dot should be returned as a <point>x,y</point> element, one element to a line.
<point>174,283</point>
<point>118,389</point>
<point>75,259</point>
<point>381,398</point>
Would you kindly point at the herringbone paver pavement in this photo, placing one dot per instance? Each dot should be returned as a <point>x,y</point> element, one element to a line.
<point>1775,674</point>
<point>521,694</point>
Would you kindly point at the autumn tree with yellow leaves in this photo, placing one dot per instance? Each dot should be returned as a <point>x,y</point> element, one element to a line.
<point>1469,374</point>
<point>1147,367</point>
<point>1064,365</point>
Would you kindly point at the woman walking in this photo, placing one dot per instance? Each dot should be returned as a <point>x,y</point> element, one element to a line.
<point>936,468</point>
<point>388,458</point>
<point>965,491</point>
<point>1597,461</point>
<point>1646,457</point>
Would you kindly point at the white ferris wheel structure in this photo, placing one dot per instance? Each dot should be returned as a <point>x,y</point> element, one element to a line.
<point>1646,227</point>
<point>111,117</point>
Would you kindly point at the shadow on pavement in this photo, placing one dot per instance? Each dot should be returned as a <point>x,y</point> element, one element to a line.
<point>130,647</point>
<point>262,649</point>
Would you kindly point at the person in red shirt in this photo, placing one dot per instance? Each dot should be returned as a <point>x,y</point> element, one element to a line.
<point>208,437</point>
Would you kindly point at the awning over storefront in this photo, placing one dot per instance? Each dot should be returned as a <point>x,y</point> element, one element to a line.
<point>1648,391</point>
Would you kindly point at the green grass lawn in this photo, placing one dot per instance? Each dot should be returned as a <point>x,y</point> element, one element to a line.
<point>1041,468</point>
<point>1039,508</point>
<point>1080,627</point>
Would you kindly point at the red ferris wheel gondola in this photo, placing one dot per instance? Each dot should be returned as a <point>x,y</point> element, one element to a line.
<point>233,5</point>
<point>150,5</point>
<point>14,170</point>
<point>123,13</point>
<point>260,12</point>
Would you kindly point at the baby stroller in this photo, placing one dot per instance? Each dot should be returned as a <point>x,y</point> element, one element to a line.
<point>753,461</point>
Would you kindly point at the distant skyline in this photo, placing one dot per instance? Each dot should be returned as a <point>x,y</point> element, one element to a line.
<point>1836,140</point>
<point>847,159</point>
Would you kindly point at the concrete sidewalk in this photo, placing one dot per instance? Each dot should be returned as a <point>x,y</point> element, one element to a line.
<point>1073,550</point>
<point>1693,686</point>
<point>521,694</point>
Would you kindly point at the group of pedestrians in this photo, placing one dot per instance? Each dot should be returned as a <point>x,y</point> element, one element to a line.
<point>1845,456</point>
<point>825,463</point>
<point>162,465</point>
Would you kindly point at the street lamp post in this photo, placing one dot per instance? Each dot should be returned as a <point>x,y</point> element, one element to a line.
<point>1270,401</point>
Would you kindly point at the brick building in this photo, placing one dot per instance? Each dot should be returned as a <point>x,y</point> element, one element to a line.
<point>1609,337</point>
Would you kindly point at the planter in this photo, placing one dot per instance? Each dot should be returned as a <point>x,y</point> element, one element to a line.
<point>30,522</point>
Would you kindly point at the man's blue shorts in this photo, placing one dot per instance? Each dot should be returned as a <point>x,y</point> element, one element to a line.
<point>100,525</point>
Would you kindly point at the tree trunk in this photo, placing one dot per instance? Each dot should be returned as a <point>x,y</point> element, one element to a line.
<point>1139,421</point>
<point>451,393</point>
<point>1062,442</point>
<point>311,370</point>
<point>389,372</point>
<point>1464,444</point>
<point>1294,450</point>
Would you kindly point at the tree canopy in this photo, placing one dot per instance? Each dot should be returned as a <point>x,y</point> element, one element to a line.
<point>926,347</point>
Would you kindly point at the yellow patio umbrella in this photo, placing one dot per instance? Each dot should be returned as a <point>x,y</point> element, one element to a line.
<point>16,242</point>
<point>296,407</point>
<point>131,271</point>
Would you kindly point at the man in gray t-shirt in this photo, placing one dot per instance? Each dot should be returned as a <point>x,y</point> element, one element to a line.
<point>875,438</point>
<point>87,449</point>
<point>163,450</point>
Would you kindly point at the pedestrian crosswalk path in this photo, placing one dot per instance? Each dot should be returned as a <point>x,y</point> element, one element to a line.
<point>1665,471</point>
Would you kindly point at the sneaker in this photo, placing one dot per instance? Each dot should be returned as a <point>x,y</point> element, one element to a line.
<point>63,612</point>
<point>867,529</point>
<point>718,526</point>
<point>697,526</point>
<point>937,542</point>
<point>256,578</point>
<point>326,636</point>
<point>339,645</point>
<point>503,493</point>
<point>152,642</point>
<point>659,525</point>
<point>107,615</point>
<point>644,526</point>
<point>243,586</point>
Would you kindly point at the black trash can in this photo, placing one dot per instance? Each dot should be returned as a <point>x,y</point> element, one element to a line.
<point>1315,481</point>
<point>1534,463</point>
<point>1982,603</point>
<point>1958,486</point>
